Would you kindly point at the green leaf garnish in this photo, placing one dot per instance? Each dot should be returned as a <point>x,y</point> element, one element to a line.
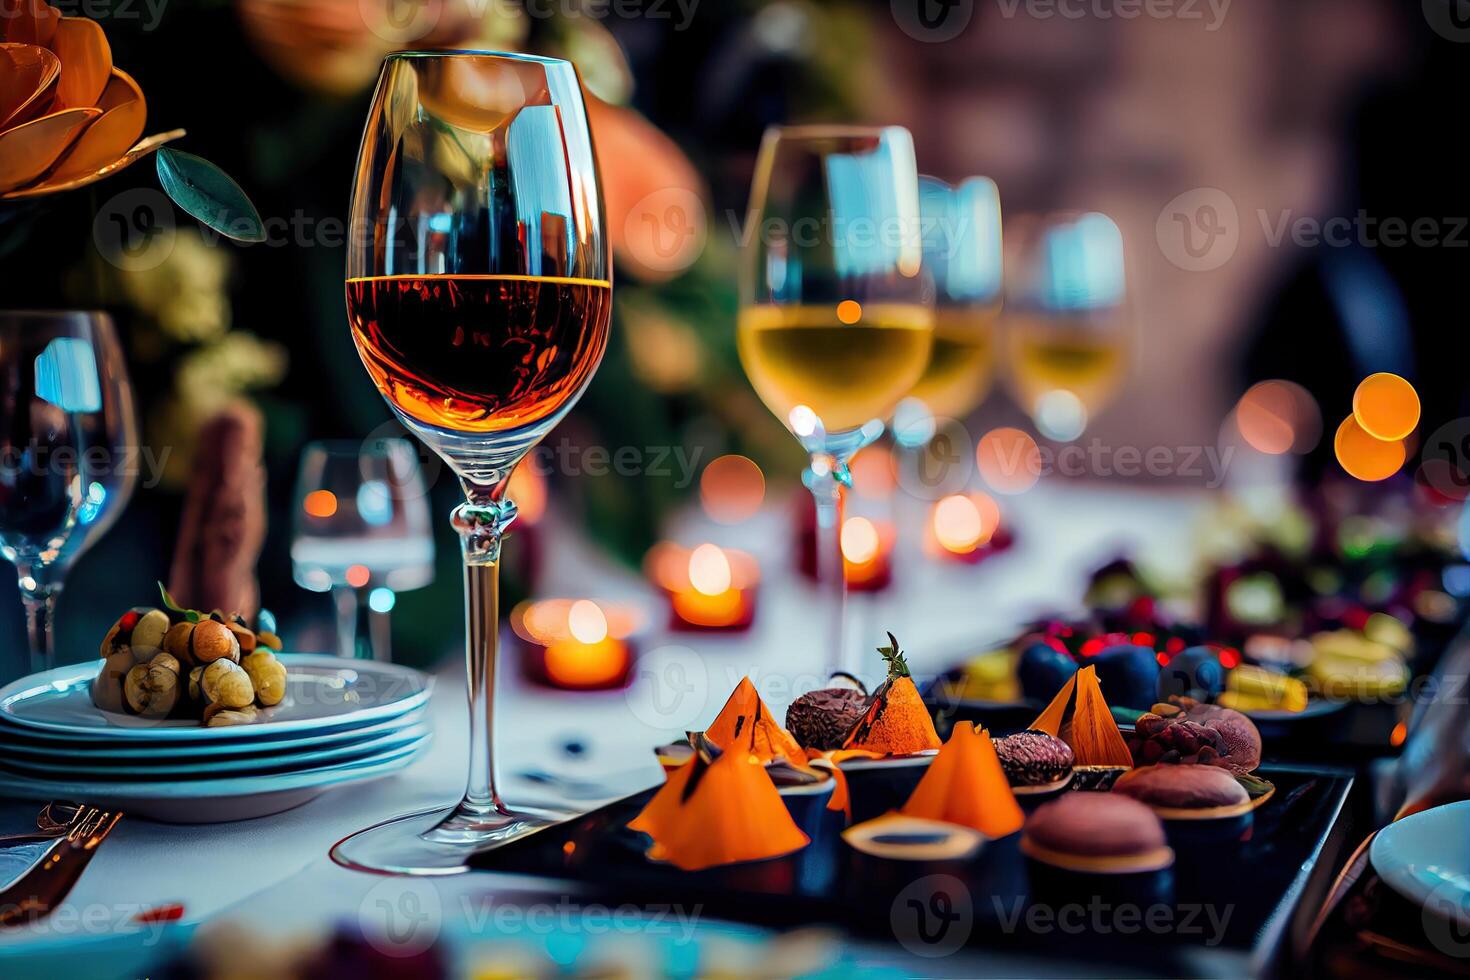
<point>209,194</point>
<point>893,657</point>
<point>169,603</point>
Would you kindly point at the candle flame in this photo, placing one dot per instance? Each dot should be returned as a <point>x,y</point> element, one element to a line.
<point>859,540</point>
<point>964,522</point>
<point>586,622</point>
<point>709,570</point>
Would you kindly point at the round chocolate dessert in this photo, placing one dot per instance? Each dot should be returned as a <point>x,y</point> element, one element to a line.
<point>1034,760</point>
<point>821,719</point>
<point>1101,833</point>
<point>1186,792</point>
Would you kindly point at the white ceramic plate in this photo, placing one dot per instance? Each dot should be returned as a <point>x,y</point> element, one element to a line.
<point>1426,858</point>
<point>33,744</point>
<point>183,767</point>
<point>323,694</point>
<point>213,800</point>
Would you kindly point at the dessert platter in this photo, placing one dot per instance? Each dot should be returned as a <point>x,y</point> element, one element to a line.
<point>195,717</point>
<point>856,802</point>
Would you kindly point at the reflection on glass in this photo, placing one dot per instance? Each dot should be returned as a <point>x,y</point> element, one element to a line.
<point>836,315</point>
<point>1067,318</point>
<point>361,529</point>
<point>68,445</point>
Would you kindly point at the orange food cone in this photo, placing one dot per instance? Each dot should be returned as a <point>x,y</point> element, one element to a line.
<point>896,723</point>
<point>745,724</point>
<point>1095,738</point>
<point>718,811</point>
<point>1050,720</point>
<point>966,785</point>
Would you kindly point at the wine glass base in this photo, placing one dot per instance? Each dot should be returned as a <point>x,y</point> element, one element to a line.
<point>439,842</point>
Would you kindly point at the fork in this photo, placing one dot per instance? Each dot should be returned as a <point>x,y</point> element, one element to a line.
<point>43,886</point>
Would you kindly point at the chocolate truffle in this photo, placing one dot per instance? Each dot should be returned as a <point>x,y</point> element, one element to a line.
<point>1185,792</point>
<point>821,719</point>
<point>1033,758</point>
<point>1097,832</point>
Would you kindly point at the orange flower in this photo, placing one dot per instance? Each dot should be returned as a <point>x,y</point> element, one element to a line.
<point>67,116</point>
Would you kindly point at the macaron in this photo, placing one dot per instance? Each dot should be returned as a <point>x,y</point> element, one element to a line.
<point>1185,792</point>
<point>1098,833</point>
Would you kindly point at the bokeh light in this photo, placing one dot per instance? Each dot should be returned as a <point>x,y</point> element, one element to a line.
<point>320,503</point>
<point>1009,460</point>
<point>732,489</point>
<point>872,471</point>
<point>358,576</point>
<point>964,522</point>
<point>1060,415</point>
<point>709,570</point>
<point>1277,417</point>
<point>527,487</point>
<point>1365,457</point>
<point>382,600</point>
<point>849,311</point>
<point>860,540</point>
<point>1386,406</point>
<point>586,621</point>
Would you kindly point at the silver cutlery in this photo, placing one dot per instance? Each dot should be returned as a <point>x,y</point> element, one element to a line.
<point>66,851</point>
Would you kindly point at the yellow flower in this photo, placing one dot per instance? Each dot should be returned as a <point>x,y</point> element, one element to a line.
<point>67,116</point>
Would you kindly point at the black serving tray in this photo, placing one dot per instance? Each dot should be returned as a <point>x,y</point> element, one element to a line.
<point>1249,873</point>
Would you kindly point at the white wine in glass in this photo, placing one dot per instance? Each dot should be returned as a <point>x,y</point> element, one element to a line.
<point>1069,332</point>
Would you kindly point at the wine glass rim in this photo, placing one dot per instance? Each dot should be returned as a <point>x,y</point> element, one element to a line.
<point>830,130</point>
<point>534,59</point>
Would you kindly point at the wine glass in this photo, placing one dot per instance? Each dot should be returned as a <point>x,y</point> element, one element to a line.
<point>479,295</point>
<point>361,522</point>
<point>67,444</point>
<point>836,314</point>
<point>962,251</point>
<point>1067,320</point>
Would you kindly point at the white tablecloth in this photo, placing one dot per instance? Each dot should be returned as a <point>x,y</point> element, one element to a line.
<point>273,873</point>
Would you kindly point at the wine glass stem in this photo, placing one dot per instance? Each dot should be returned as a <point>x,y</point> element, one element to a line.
<point>345,599</point>
<point>481,525</point>
<point>40,608</point>
<point>826,477</point>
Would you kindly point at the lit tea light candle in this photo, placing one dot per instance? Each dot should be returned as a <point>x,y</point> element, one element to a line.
<point>577,644</point>
<point>962,525</point>
<point>709,588</point>
<point>867,552</point>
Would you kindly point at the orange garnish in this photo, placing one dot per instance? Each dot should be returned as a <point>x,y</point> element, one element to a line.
<point>966,785</point>
<point>745,725</point>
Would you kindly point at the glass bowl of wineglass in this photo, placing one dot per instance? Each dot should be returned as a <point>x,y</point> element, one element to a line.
<point>479,296</point>
<point>836,313</point>
<point>68,442</point>
<point>1068,327</point>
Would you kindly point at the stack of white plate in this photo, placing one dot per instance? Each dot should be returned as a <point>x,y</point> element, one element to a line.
<point>341,721</point>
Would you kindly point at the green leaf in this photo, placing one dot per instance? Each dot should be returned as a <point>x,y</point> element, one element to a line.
<point>893,656</point>
<point>209,194</point>
<point>186,615</point>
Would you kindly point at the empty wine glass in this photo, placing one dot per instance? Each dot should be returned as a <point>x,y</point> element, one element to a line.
<point>68,441</point>
<point>361,523</point>
<point>479,294</point>
<point>836,315</point>
<point>1068,327</point>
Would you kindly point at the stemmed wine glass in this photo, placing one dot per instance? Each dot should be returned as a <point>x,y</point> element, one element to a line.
<point>67,439</point>
<point>1067,321</point>
<point>479,295</point>
<point>361,522</point>
<point>836,313</point>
